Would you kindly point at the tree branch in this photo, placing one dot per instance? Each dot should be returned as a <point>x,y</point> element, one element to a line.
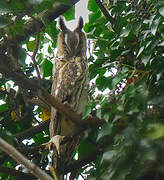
<point>104,11</point>
<point>17,156</point>
<point>36,50</point>
<point>92,122</point>
<point>33,130</point>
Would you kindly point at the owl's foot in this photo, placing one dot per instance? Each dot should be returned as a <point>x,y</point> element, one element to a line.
<point>56,140</point>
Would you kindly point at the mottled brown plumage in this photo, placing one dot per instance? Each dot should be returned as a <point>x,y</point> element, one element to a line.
<point>70,85</point>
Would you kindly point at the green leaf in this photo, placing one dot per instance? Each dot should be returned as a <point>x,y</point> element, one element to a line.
<point>161,44</point>
<point>70,14</point>
<point>46,4</point>
<point>85,147</point>
<point>88,27</point>
<point>87,110</point>
<point>17,6</point>
<point>107,116</point>
<point>94,16</point>
<point>130,91</point>
<point>117,79</point>
<point>140,51</point>
<point>22,56</point>
<point>31,45</point>
<point>94,70</point>
<point>105,130</point>
<point>146,59</point>
<point>136,27</point>
<point>161,11</point>
<point>4,21</point>
<point>97,31</point>
<point>46,68</point>
<point>50,50</point>
<point>101,82</point>
<point>6,135</point>
<point>51,30</point>
<point>4,107</point>
<point>133,107</point>
<point>18,28</point>
<point>4,7</point>
<point>92,6</point>
<point>39,58</point>
<point>108,155</point>
<point>98,113</point>
<point>125,32</point>
<point>154,26</point>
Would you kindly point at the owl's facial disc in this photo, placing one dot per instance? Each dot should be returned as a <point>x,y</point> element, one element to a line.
<point>71,39</point>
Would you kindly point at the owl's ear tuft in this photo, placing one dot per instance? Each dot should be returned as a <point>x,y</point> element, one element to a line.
<point>80,24</point>
<point>62,25</point>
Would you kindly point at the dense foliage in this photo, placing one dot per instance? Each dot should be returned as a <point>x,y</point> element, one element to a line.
<point>126,66</point>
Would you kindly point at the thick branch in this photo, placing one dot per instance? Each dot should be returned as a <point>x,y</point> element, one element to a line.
<point>36,101</point>
<point>17,156</point>
<point>92,122</point>
<point>33,130</point>
<point>104,11</point>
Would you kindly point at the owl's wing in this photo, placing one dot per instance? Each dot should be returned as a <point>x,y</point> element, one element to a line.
<point>69,78</point>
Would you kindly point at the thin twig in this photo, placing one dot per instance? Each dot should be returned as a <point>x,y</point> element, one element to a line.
<point>36,50</point>
<point>104,11</point>
<point>37,25</point>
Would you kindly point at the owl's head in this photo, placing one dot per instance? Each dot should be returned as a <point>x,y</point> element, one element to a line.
<point>71,43</point>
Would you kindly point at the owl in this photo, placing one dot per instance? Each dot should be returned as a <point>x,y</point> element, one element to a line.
<point>70,86</point>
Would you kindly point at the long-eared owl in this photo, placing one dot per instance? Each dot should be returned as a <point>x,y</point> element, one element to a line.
<point>70,82</point>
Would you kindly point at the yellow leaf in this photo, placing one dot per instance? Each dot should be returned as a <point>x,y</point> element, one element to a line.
<point>45,115</point>
<point>17,113</point>
<point>20,110</point>
<point>13,115</point>
<point>31,45</point>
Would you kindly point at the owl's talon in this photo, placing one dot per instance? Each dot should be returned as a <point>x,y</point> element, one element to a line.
<point>56,140</point>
